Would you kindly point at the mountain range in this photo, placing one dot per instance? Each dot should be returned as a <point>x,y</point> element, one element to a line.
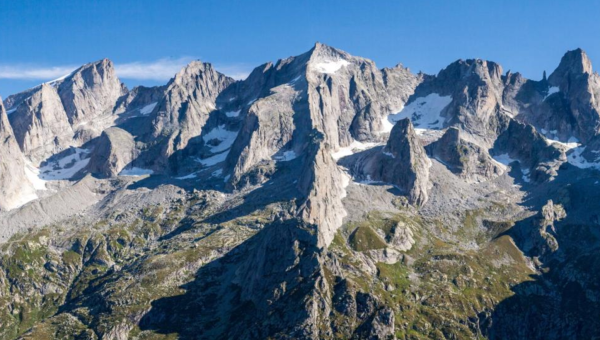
<point>319,198</point>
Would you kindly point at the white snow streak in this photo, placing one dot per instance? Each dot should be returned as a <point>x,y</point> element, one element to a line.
<point>287,156</point>
<point>551,91</point>
<point>424,112</point>
<point>146,110</point>
<point>330,66</point>
<point>218,158</point>
<point>224,137</point>
<point>576,159</point>
<point>135,171</point>
<point>353,148</point>
<point>66,167</point>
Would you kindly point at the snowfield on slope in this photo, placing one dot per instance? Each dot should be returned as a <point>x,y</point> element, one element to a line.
<point>146,110</point>
<point>330,66</point>
<point>224,137</point>
<point>66,167</point>
<point>353,148</point>
<point>504,160</point>
<point>575,158</point>
<point>134,171</point>
<point>424,112</point>
<point>551,91</point>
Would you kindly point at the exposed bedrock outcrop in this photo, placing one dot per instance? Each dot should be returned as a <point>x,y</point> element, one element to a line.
<point>402,162</point>
<point>15,187</point>
<point>113,151</point>
<point>464,158</point>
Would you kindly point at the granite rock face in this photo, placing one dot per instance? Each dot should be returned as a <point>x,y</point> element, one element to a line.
<point>90,91</point>
<point>184,110</point>
<point>581,90</point>
<point>402,162</point>
<point>41,125</point>
<point>15,187</point>
<point>564,106</point>
<point>524,144</point>
<point>319,198</point>
<point>322,100</point>
<point>463,158</point>
<point>476,88</point>
<point>113,151</point>
<point>343,97</point>
<point>409,165</point>
<point>66,112</point>
<point>141,99</point>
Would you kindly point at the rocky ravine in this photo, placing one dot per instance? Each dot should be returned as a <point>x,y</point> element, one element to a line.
<point>320,198</point>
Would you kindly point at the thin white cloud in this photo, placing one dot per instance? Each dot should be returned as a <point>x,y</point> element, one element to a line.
<point>32,72</point>
<point>158,70</point>
<point>162,69</point>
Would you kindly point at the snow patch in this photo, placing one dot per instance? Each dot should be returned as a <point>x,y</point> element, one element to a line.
<point>353,148</point>
<point>146,110</point>
<point>215,159</point>
<point>11,111</point>
<point>571,143</point>
<point>190,176</point>
<point>575,158</point>
<point>346,179</point>
<point>33,175</point>
<point>55,81</point>
<point>507,112</point>
<point>386,123</point>
<point>66,167</point>
<point>526,175</point>
<point>424,112</point>
<point>369,181</point>
<point>330,66</point>
<point>135,171</point>
<point>551,91</point>
<point>287,156</point>
<point>389,154</point>
<point>223,136</point>
<point>504,159</point>
<point>231,114</point>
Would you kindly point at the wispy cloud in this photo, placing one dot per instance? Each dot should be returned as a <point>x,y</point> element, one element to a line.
<point>162,69</point>
<point>32,72</point>
<point>158,70</point>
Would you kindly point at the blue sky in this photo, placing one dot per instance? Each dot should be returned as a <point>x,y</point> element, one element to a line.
<point>149,40</point>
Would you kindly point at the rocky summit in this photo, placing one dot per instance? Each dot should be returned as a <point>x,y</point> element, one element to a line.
<point>319,198</point>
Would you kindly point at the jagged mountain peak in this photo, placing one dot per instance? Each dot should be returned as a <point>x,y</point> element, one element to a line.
<point>328,60</point>
<point>573,62</point>
<point>103,63</point>
<point>193,69</point>
<point>323,49</point>
<point>103,68</point>
<point>464,68</point>
<point>402,133</point>
<point>311,163</point>
<point>40,124</point>
<point>90,91</point>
